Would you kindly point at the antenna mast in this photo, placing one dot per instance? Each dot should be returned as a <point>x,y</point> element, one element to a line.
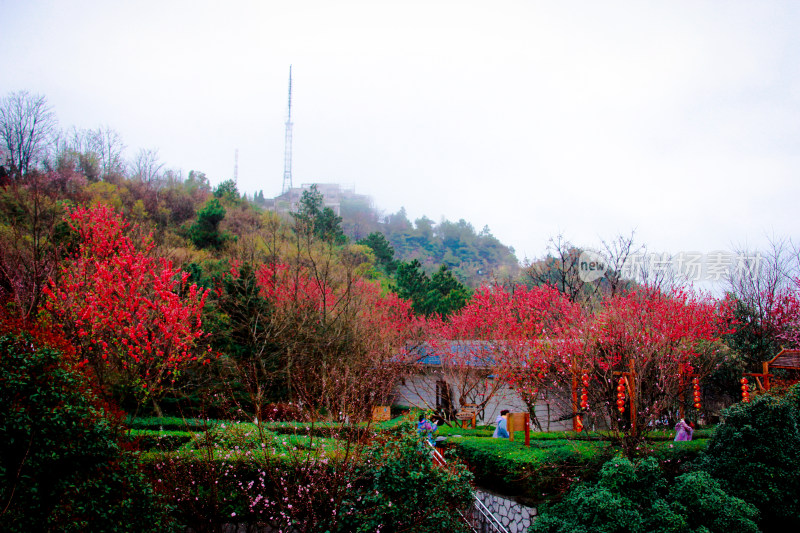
<point>287,150</point>
<point>236,168</point>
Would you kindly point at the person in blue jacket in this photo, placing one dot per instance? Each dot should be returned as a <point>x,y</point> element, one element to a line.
<point>501,432</point>
<point>426,428</point>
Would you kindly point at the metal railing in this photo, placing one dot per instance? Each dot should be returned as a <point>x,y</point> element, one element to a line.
<point>481,519</point>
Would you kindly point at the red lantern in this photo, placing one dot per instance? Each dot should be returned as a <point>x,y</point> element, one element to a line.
<point>578,424</point>
<point>696,396</point>
<point>621,395</point>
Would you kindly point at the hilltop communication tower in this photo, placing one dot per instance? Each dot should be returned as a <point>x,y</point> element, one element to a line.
<point>287,151</point>
<point>236,167</point>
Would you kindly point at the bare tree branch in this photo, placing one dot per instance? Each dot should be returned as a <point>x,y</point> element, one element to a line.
<point>27,126</point>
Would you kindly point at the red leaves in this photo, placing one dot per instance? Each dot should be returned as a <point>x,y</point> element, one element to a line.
<point>296,292</point>
<point>121,304</point>
<point>534,338</point>
<point>651,324</point>
<point>517,335</point>
<point>785,315</point>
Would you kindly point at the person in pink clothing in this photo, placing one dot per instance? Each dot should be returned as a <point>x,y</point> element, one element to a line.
<point>683,431</point>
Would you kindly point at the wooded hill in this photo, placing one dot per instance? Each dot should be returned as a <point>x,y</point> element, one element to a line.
<point>204,228</point>
<point>474,257</point>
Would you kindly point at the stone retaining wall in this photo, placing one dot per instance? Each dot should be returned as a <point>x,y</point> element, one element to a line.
<point>515,518</point>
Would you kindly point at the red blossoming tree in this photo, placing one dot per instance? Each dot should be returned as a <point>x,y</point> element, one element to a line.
<point>653,343</point>
<point>500,339</point>
<point>339,338</point>
<point>131,315</point>
<point>785,314</point>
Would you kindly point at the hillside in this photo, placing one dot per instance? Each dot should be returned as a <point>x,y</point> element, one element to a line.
<point>474,257</point>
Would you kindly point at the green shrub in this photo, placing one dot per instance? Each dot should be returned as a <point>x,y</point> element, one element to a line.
<point>61,464</point>
<point>755,454</point>
<point>399,488</point>
<point>676,457</point>
<point>207,487</point>
<point>701,500</point>
<point>231,436</point>
<point>636,498</point>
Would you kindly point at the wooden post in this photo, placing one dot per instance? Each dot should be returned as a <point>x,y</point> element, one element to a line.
<point>758,377</point>
<point>681,394</point>
<point>575,403</point>
<point>765,370</point>
<point>517,421</point>
<point>631,392</point>
<point>528,430</point>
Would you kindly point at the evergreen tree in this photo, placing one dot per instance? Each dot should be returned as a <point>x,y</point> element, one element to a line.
<point>205,233</point>
<point>441,294</point>
<point>227,192</point>
<point>321,221</point>
<point>383,251</point>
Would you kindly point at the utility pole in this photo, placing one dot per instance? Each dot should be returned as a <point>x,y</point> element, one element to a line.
<point>287,150</point>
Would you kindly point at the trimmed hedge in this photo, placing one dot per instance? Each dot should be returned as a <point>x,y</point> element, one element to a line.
<point>554,460</point>
<point>319,429</point>
<point>389,485</point>
<point>553,463</point>
<point>147,439</point>
<point>546,468</point>
<point>172,423</point>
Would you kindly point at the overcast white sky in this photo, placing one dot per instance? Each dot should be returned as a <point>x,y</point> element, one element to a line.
<point>677,119</point>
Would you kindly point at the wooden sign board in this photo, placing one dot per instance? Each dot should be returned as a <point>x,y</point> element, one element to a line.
<point>381,413</point>
<point>468,412</point>
<point>518,422</point>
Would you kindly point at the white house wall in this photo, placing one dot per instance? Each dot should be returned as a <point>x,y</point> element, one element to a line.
<point>420,391</point>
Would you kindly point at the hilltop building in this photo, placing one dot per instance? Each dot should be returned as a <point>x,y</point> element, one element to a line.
<point>333,195</point>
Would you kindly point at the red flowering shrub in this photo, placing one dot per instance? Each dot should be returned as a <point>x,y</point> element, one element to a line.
<point>130,315</point>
